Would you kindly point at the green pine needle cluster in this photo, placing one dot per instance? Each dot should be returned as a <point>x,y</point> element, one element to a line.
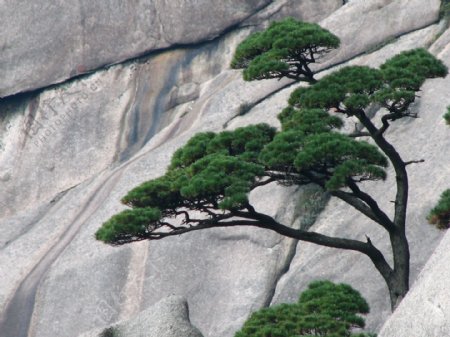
<point>211,169</point>
<point>286,48</point>
<point>440,214</point>
<point>351,84</point>
<point>409,69</point>
<point>343,157</point>
<point>129,224</point>
<point>324,309</point>
<point>353,88</point>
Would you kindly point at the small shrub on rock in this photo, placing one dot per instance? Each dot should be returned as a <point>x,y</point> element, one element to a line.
<point>440,214</point>
<point>109,332</point>
<point>447,115</point>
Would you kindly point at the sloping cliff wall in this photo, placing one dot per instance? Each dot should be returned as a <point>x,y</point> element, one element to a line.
<point>71,150</point>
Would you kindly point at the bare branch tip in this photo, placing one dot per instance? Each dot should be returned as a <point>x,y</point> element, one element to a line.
<point>414,162</point>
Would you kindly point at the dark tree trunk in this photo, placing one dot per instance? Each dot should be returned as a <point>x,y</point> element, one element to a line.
<point>399,282</point>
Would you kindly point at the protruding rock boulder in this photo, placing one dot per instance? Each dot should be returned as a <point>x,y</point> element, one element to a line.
<point>167,318</point>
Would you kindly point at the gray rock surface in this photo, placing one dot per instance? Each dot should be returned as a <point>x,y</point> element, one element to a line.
<point>365,25</point>
<point>108,116</point>
<point>306,10</point>
<point>167,318</point>
<point>69,153</point>
<point>44,42</point>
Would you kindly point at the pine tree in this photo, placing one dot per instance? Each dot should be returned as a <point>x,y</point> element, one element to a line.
<point>214,173</point>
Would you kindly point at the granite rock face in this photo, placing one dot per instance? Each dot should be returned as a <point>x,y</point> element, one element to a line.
<point>108,116</point>
<point>69,153</point>
<point>44,42</point>
<point>306,10</point>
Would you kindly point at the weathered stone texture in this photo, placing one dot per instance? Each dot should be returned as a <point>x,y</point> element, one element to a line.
<point>364,25</point>
<point>45,42</point>
<point>108,116</point>
<point>306,10</point>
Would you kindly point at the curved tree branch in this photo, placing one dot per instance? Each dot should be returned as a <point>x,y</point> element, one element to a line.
<point>255,219</point>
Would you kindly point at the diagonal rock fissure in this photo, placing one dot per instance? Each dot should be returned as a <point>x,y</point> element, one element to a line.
<point>41,215</point>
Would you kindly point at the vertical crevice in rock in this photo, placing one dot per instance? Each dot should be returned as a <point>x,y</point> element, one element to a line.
<point>282,271</point>
<point>310,202</point>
